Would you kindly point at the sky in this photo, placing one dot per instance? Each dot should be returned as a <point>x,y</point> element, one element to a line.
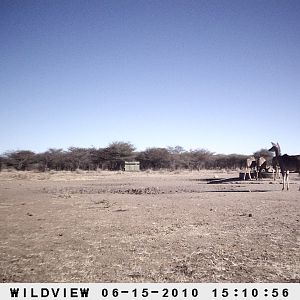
<point>218,75</point>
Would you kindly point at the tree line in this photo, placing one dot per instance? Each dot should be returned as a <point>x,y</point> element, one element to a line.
<point>113,157</point>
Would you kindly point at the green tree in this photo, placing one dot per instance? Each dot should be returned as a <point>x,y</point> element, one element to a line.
<point>117,153</point>
<point>20,160</point>
<point>155,158</point>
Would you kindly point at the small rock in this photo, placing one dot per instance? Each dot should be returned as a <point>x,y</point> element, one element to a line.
<point>250,215</point>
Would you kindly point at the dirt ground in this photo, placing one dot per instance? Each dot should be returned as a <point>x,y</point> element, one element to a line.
<point>202,226</point>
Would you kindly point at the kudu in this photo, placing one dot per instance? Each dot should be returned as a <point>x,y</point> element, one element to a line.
<point>257,164</point>
<point>276,168</point>
<point>286,163</point>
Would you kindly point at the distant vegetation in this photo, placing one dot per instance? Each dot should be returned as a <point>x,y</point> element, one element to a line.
<point>114,156</point>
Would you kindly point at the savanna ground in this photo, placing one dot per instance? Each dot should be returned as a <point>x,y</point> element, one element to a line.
<point>147,227</point>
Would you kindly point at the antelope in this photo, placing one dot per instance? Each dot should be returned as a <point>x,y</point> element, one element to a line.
<point>275,167</point>
<point>286,163</point>
<point>250,163</point>
<point>261,164</point>
<point>253,163</point>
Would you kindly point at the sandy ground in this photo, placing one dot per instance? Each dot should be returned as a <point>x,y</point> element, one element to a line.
<point>147,227</point>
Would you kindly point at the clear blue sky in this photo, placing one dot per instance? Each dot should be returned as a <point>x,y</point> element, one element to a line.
<point>220,75</point>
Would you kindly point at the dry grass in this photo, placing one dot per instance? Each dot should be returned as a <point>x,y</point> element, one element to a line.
<point>147,227</point>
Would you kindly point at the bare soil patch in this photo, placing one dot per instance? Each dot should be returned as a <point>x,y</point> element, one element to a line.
<point>147,227</point>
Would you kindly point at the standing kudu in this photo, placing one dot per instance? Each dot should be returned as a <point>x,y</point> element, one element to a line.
<point>250,163</point>
<point>276,168</point>
<point>261,164</point>
<point>257,164</point>
<point>286,163</point>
